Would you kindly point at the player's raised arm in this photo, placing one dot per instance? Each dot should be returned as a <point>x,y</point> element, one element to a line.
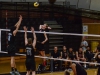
<point>34,36</point>
<point>46,38</point>
<point>17,25</point>
<point>25,35</point>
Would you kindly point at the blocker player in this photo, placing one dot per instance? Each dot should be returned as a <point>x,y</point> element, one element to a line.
<point>30,47</point>
<point>12,48</point>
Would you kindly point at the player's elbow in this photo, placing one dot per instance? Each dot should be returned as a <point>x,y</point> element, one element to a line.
<point>46,39</point>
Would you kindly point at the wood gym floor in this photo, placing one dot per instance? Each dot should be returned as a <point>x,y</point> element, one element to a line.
<point>20,61</point>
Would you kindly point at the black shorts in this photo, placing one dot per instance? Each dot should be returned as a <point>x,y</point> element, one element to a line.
<point>11,50</point>
<point>82,72</point>
<point>40,46</point>
<point>30,64</point>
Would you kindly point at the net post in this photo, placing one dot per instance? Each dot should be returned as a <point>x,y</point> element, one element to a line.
<point>0,40</point>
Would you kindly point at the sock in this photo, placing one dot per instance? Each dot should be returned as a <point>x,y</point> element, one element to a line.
<point>85,65</point>
<point>44,63</point>
<point>12,69</point>
<point>15,69</point>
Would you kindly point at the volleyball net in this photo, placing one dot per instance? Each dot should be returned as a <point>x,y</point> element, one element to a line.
<point>3,41</point>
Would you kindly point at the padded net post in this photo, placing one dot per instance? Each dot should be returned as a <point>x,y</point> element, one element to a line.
<point>0,40</point>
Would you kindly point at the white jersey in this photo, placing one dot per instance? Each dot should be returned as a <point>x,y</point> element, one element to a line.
<point>85,43</point>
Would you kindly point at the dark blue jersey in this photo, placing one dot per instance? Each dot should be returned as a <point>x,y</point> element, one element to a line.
<point>40,37</point>
<point>12,37</point>
<point>29,52</point>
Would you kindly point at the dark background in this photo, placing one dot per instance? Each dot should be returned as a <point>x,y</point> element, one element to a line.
<point>35,16</point>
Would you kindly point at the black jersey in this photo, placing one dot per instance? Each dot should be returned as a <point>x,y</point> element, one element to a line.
<point>55,54</point>
<point>64,54</point>
<point>40,37</point>
<point>80,70</point>
<point>12,39</point>
<point>80,54</point>
<point>29,52</point>
<point>70,54</point>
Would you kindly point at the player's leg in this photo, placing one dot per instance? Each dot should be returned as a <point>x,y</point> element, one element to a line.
<point>12,66</point>
<point>28,66</point>
<point>98,72</point>
<point>40,47</point>
<point>33,72</point>
<point>33,67</point>
<point>28,73</point>
<point>43,54</point>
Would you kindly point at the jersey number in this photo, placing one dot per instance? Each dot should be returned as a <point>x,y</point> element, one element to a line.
<point>29,52</point>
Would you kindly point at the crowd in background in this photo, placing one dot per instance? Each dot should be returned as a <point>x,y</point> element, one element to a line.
<point>84,54</point>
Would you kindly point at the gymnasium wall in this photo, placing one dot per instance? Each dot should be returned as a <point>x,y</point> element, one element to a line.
<point>73,23</point>
<point>13,14</point>
<point>86,4</point>
<point>93,28</point>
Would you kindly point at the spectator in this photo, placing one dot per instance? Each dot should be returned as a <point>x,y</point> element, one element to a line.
<point>70,52</point>
<point>80,56</point>
<point>56,54</point>
<point>64,54</point>
<point>89,54</point>
<point>84,44</point>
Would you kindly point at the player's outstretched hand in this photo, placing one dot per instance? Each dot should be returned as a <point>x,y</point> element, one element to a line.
<point>20,17</point>
<point>49,28</point>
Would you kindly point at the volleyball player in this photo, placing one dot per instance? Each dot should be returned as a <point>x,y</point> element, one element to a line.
<point>12,48</point>
<point>41,40</point>
<point>76,67</point>
<point>97,57</point>
<point>30,47</point>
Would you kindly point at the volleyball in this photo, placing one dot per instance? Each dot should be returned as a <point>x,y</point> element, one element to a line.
<point>36,4</point>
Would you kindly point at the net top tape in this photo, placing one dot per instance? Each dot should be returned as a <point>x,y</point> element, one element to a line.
<point>56,33</point>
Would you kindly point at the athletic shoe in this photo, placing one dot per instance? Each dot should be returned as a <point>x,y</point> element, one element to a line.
<point>12,73</point>
<point>17,73</point>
